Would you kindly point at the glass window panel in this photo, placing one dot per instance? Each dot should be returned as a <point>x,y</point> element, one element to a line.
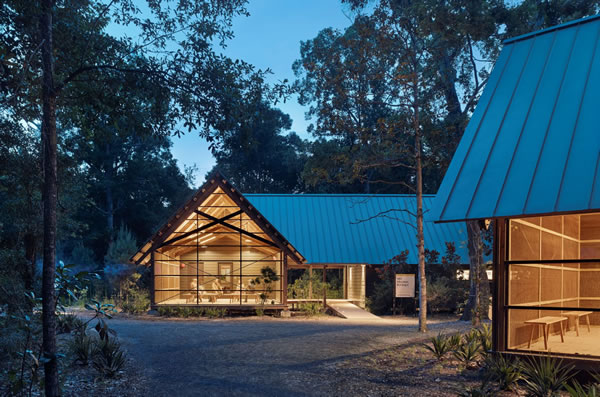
<point>551,246</point>
<point>524,241</point>
<point>524,285</point>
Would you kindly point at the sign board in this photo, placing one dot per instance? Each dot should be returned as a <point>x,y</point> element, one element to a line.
<point>404,286</point>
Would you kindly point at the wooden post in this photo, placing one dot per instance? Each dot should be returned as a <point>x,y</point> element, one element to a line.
<point>394,298</point>
<point>310,274</point>
<point>499,285</point>
<point>284,287</point>
<point>152,285</point>
<point>324,287</point>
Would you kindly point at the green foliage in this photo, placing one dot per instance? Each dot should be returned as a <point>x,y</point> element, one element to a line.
<point>311,308</point>
<point>260,312</point>
<point>215,312</point>
<point>69,284</point>
<point>68,322</point>
<point>134,299</point>
<point>102,312</point>
<point>576,389</point>
<point>257,156</point>
<point>109,358</point>
<point>267,277</point>
<point>485,337</point>
<point>82,347</point>
<point>440,346</point>
<point>504,370</point>
<point>454,341</point>
<point>545,376</point>
<point>300,288</point>
<point>485,389</point>
<point>467,353</point>
<point>121,248</point>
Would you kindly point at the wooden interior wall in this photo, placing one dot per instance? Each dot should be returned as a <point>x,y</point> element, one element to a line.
<point>356,283</point>
<point>556,284</point>
<point>552,284</point>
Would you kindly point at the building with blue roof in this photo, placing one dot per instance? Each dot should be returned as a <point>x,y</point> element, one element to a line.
<point>530,160</point>
<point>234,250</point>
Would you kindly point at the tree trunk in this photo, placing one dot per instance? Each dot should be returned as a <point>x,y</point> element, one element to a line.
<point>49,201</point>
<point>420,235</point>
<point>478,300</point>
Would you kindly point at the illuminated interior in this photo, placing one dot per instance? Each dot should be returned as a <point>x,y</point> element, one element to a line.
<point>218,256</point>
<point>554,283</point>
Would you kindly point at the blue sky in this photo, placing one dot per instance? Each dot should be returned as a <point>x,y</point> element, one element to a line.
<point>269,38</point>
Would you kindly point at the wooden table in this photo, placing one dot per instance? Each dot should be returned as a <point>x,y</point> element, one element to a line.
<point>575,315</point>
<point>546,322</point>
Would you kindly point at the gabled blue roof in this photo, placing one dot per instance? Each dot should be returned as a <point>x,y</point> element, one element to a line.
<point>324,228</point>
<point>533,144</point>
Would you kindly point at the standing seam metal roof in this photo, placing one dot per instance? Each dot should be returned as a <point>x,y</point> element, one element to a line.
<point>533,144</point>
<point>323,226</point>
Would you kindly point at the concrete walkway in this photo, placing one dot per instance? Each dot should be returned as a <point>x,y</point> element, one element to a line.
<point>253,356</point>
<point>351,311</point>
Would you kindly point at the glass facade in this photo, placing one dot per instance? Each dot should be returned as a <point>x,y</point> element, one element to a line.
<point>218,256</point>
<point>553,279</point>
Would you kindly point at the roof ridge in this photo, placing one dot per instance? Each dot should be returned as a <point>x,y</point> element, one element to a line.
<point>551,29</point>
<point>335,195</point>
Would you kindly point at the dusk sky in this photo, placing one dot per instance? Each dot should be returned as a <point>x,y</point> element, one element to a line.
<point>269,38</point>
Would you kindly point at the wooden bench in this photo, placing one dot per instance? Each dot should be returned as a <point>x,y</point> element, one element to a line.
<point>546,322</point>
<point>576,315</point>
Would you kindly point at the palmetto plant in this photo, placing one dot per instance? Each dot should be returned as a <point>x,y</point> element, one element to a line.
<point>501,369</point>
<point>454,341</point>
<point>440,346</point>
<point>468,352</point>
<point>109,358</point>
<point>575,389</point>
<point>545,376</point>
<point>484,334</point>
<point>483,390</point>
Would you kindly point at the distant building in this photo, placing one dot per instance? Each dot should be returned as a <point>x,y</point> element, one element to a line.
<point>219,248</point>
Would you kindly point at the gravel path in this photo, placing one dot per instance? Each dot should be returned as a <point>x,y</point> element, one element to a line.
<point>256,357</point>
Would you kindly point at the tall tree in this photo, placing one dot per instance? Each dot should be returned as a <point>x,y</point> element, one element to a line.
<point>176,37</point>
<point>261,155</point>
<point>368,90</point>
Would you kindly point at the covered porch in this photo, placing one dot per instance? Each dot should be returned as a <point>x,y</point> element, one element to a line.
<point>326,283</point>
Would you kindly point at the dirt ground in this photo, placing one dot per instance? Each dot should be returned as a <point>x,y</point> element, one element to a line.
<point>287,357</point>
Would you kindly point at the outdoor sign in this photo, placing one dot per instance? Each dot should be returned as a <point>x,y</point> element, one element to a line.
<point>404,286</point>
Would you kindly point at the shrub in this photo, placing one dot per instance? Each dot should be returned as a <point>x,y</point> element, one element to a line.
<point>575,389</point>
<point>483,390</point>
<point>68,322</point>
<point>260,312</point>
<point>467,353</point>
<point>501,369</point>
<point>545,376</point>
<point>440,346</point>
<point>484,334</point>
<point>454,341</point>
<point>109,358</point>
<point>215,312</point>
<point>311,308</point>
<point>136,301</point>
<point>82,347</point>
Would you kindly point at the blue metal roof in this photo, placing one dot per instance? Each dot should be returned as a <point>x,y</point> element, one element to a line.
<point>533,144</point>
<point>323,228</point>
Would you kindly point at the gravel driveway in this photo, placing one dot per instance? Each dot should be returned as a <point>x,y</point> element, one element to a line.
<point>256,357</point>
